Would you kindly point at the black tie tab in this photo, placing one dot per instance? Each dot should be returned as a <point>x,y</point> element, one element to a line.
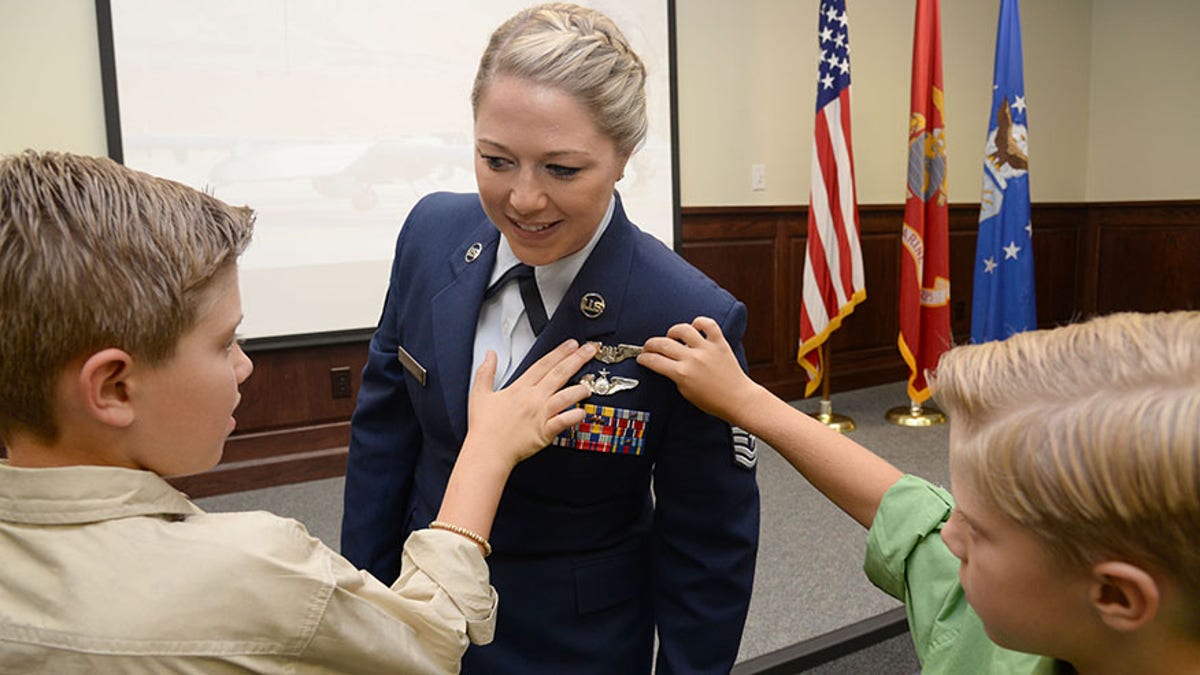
<point>535,309</point>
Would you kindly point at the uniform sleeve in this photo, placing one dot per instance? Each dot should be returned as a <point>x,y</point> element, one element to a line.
<point>705,535</point>
<point>385,439</point>
<point>422,624</point>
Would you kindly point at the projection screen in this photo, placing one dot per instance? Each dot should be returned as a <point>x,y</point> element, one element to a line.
<point>331,119</point>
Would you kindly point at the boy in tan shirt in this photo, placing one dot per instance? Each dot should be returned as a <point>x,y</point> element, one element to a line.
<point>120,364</point>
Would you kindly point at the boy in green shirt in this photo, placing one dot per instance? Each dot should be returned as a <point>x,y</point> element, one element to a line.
<point>1070,544</point>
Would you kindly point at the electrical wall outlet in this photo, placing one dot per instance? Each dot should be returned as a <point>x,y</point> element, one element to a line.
<point>339,382</point>
<point>758,177</point>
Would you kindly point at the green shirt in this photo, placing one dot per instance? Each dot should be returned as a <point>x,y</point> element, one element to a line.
<point>907,559</point>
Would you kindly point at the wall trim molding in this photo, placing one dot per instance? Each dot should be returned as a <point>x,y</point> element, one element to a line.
<point>273,458</point>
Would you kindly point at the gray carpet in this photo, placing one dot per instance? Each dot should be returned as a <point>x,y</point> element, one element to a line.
<point>809,579</point>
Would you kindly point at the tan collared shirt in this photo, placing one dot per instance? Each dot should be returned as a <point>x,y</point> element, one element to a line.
<point>112,570</point>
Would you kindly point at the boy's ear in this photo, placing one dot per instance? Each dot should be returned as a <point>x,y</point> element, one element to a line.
<point>103,388</point>
<point>1125,596</point>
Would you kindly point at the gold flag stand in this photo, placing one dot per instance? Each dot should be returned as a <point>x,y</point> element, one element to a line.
<point>825,415</point>
<point>914,415</point>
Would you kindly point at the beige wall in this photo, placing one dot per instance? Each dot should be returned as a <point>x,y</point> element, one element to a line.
<point>1095,70</point>
<point>747,91</point>
<point>50,94</point>
<point>1144,131</point>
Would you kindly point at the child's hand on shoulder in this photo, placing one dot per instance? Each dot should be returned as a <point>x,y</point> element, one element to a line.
<point>701,362</point>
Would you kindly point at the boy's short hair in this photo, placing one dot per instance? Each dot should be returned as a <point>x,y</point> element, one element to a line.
<point>96,255</point>
<point>1088,435</point>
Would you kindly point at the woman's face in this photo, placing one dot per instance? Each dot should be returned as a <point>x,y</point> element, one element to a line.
<point>545,172</point>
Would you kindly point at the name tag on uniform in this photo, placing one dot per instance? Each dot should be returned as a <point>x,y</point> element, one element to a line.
<point>606,429</point>
<point>410,364</point>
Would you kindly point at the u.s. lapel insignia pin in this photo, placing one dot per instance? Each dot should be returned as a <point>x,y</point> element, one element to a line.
<point>610,354</point>
<point>603,386</point>
<point>592,305</point>
<point>473,252</point>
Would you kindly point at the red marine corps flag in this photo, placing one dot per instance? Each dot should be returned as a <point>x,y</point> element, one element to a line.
<point>833,270</point>
<point>925,257</point>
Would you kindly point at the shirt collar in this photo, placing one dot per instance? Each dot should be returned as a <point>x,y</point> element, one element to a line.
<point>86,494</point>
<point>555,278</point>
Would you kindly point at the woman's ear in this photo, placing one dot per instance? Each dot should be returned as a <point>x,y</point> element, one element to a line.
<point>1126,597</point>
<point>103,387</point>
<point>622,162</point>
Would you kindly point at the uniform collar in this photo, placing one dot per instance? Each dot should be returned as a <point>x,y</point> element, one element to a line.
<point>555,278</point>
<point>86,494</point>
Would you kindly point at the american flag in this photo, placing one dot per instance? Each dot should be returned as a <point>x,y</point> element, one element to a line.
<point>833,270</point>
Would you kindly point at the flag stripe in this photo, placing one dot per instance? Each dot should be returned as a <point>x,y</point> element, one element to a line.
<point>847,214</point>
<point>831,222</point>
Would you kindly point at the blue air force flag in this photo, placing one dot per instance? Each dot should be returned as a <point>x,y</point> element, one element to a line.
<point>1003,301</point>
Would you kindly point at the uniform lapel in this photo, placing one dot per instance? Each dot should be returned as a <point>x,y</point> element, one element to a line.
<point>455,312</point>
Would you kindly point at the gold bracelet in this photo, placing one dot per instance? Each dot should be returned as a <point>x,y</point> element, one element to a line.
<point>450,527</point>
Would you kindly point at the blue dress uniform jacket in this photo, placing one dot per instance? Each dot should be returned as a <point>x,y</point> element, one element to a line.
<point>593,550</point>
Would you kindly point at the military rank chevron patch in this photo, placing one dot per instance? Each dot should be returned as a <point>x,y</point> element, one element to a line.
<point>745,448</point>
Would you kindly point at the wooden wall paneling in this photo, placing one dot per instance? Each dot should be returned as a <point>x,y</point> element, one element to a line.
<point>292,387</point>
<point>1147,257</point>
<point>789,379</point>
<point>962,282</point>
<point>741,252</point>
<point>1088,264</point>
<point>745,268</point>
<point>876,321</point>
<point>864,350</point>
<point>963,235</point>
<point>790,242</point>
<point>1059,250</point>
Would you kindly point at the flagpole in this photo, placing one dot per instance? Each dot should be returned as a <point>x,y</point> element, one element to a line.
<point>915,415</point>
<point>825,414</point>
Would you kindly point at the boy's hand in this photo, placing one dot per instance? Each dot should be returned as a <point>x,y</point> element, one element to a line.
<point>700,361</point>
<point>524,417</point>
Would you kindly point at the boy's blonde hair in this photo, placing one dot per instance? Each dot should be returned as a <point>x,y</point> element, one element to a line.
<point>95,255</point>
<point>1088,435</point>
<point>579,51</point>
